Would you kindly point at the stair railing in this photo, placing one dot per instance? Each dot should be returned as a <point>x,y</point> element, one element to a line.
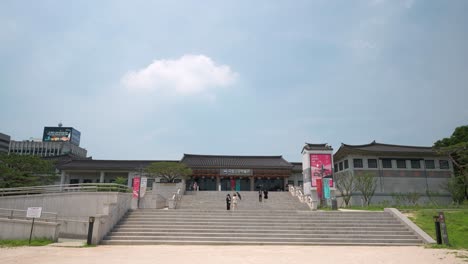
<point>297,191</point>
<point>176,196</point>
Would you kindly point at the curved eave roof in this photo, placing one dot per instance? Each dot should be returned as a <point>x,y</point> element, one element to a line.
<point>381,149</point>
<point>223,161</point>
<point>320,146</point>
<point>108,164</point>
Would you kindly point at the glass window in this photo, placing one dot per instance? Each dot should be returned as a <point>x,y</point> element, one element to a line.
<point>401,164</point>
<point>429,164</point>
<point>387,163</point>
<point>444,165</point>
<point>415,164</point>
<point>336,166</point>
<point>346,164</point>
<point>341,166</point>
<point>372,163</point>
<point>357,163</point>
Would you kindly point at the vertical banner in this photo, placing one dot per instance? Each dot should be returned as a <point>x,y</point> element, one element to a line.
<point>233,184</point>
<point>326,188</point>
<point>136,185</point>
<point>238,183</point>
<point>143,184</point>
<point>319,188</point>
<point>320,168</point>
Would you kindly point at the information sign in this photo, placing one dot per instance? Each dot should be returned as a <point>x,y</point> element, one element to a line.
<point>34,212</point>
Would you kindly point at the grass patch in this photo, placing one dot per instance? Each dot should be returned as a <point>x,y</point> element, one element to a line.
<point>456,220</point>
<point>22,243</point>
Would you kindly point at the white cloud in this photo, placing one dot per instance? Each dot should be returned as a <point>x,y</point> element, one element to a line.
<point>188,75</point>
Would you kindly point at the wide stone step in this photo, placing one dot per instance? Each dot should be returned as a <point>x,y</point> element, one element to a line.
<point>298,230</point>
<point>256,233</point>
<point>268,239</point>
<point>261,225</point>
<point>263,222</point>
<point>252,243</point>
<point>255,218</point>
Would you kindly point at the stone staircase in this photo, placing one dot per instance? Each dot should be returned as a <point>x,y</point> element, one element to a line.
<point>217,201</point>
<point>205,221</point>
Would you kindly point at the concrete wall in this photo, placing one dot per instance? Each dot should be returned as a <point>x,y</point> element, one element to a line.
<point>74,209</point>
<point>20,229</point>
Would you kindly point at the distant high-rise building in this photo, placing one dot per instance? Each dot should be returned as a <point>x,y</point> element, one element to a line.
<point>4,142</point>
<point>56,141</point>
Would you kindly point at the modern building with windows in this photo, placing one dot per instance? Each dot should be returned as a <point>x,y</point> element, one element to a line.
<point>45,149</point>
<point>56,141</point>
<point>397,169</point>
<point>4,143</point>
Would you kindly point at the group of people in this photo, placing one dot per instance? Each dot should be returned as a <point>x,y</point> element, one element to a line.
<point>236,197</point>
<point>265,195</point>
<point>234,200</point>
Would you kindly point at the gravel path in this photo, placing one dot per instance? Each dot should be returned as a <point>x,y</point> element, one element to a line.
<point>229,254</point>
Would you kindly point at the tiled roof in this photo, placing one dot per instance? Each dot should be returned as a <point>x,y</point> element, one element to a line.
<point>386,149</point>
<point>321,146</point>
<point>297,166</point>
<point>374,146</point>
<point>108,164</point>
<point>221,161</point>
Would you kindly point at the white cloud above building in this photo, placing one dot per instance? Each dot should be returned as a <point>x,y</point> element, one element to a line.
<point>188,75</point>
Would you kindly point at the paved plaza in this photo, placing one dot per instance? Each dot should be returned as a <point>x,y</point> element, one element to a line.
<point>229,254</point>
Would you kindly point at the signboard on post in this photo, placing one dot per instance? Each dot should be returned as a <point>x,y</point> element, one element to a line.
<point>34,212</point>
<point>443,228</point>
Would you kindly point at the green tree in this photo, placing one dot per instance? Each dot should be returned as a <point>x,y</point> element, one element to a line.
<point>345,184</point>
<point>121,180</point>
<point>366,184</point>
<point>456,148</point>
<point>168,170</point>
<point>25,170</point>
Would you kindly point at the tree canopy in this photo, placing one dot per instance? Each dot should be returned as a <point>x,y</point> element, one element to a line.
<point>456,148</point>
<point>25,170</point>
<point>169,171</point>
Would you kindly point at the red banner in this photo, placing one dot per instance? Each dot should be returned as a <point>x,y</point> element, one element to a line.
<point>319,188</point>
<point>136,186</point>
<point>320,167</point>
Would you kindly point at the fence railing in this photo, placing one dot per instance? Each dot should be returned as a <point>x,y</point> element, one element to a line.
<point>80,187</point>
<point>21,214</point>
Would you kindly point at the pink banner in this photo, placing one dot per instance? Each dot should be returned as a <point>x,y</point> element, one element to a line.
<point>321,167</point>
<point>136,185</point>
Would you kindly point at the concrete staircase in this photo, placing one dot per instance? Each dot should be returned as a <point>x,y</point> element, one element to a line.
<point>209,223</point>
<point>217,201</point>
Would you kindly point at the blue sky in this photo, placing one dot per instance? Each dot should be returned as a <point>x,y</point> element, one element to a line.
<point>156,79</point>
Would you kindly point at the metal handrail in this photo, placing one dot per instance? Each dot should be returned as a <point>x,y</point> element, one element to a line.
<point>80,187</point>
<point>11,214</point>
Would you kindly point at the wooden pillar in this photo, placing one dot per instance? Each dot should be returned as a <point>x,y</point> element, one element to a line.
<point>252,183</point>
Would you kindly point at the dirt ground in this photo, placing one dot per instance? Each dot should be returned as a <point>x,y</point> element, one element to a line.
<point>230,254</point>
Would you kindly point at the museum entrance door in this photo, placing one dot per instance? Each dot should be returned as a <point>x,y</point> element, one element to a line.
<point>269,184</point>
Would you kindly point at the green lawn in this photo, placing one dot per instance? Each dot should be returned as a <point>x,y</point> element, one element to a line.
<point>456,220</point>
<point>20,243</point>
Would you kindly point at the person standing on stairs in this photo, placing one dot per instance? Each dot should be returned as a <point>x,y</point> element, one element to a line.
<point>228,202</point>
<point>235,199</point>
<point>260,195</point>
